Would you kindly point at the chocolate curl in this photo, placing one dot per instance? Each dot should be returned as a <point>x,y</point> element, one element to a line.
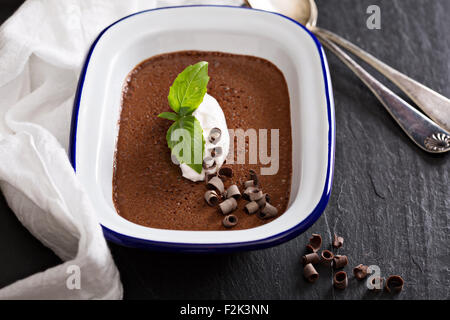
<point>360,272</point>
<point>214,135</point>
<point>315,242</point>
<point>262,202</point>
<point>254,177</point>
<point>374,282</point>
<point>327,257</point>
<point>337,242</point>
<point>310,273</point>
<point>340,280</point>
<point>225,172</point>
<point>248,191</point>
<point>394,283</point>
<point>251,207</point>
<point>268,212</point>
<point>215,184</point>
<point>230,221</point>
<point>310,258</point>
<point>233,191</point>
<point>209,176</point>
<point>211,198</point>
<point>340,261</point>
<point>255,195</point>
<point>249,183</point>
<point>228,206</point>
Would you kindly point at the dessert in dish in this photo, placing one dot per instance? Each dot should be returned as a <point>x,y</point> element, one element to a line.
<point>153,182</point>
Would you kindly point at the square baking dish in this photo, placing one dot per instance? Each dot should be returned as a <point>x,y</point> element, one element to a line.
<point>281,40</point>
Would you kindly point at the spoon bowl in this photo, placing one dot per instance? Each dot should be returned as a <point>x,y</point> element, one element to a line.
<point>303,11</point>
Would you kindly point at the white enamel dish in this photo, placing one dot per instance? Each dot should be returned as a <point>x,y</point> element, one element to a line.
<point>284,42</point>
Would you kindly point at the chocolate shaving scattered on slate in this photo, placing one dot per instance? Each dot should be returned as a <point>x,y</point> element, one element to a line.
<point>268,212</point>
<point>216,184</point>
<point>214,135</point>
<point>230,221</point>
<point>310,273</point>
<point>338,242</point>
<point>315,242</point>
<point>340,261</point>
<point>251,207</point>
<point>249,183</point>
<point>211,198</point>
<point>327,257</point>
<point>394,283</point>
<point>228,206</point>
<point>340,280</point>
<point>233,191</point>
<point>310,258</point>
<point>225,172</point>
<point>254,177</point>
<point>374,282</point>
<point>360,272</point>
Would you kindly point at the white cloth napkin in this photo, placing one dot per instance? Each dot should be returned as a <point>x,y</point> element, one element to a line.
<point>42,48</point>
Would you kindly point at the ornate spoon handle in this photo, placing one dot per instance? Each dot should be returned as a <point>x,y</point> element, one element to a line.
<point>423,131</point>
<point>436,106</point>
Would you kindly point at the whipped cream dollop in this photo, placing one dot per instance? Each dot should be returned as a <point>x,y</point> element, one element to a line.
<point>210,116</point>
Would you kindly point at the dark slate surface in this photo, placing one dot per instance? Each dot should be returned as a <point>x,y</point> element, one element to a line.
<point>390,200</point>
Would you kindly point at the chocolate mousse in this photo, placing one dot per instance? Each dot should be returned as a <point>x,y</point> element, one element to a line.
<point>149,189</point>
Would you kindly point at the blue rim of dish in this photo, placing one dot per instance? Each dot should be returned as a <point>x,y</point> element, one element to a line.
<point>274,240</point>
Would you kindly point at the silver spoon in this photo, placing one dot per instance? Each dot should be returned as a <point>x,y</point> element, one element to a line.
<point>424,132</point>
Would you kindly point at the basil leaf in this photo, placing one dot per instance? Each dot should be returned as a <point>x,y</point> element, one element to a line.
<point>185,135</point>
<point>189,88</point>
<point>169,116</point>
<point>185,139</point>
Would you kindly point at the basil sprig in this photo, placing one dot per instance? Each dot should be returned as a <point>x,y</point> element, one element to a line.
<point>186,134</point>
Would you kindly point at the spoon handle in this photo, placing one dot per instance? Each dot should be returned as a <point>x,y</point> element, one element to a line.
<point>436,106</point>
<point>423,131</point>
